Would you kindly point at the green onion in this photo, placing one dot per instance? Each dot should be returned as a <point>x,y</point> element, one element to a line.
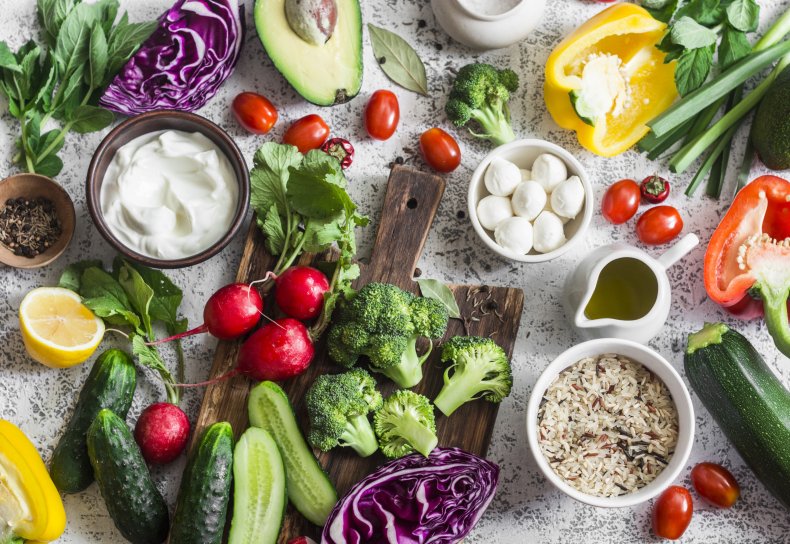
<point>746,166</point>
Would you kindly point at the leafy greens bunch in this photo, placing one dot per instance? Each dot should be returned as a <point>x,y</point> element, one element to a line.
<point>63,77</point>
<point>302,205</point>
<point>136,298</point>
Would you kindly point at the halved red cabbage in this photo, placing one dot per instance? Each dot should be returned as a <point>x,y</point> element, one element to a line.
<point>184,62</point>
<point>415,500</point>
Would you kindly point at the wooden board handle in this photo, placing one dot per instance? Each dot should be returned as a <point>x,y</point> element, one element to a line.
<point>410,206</point>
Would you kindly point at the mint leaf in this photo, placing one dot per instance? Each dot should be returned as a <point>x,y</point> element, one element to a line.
<point>693,68</point>
<point>90,119</point>
<point>692,35</point>
<point>672,50</point>
<point>310,195</point>
<point>73,40</point>
<point>97,57</point>
<point>744,15</point>
<point>7,59</point>
<point>705,12</point>
<point>661,10</point>
<point>51,14</point>
<point>439,291</point>
<point>272,226</point>
<point>71,276</point>
<point>49,166</point>
<point>733,47</point>
<point>123,40</point>
<point>140,295</point>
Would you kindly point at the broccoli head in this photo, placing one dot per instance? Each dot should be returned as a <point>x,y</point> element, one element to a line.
<point>338,407</point>
<point>479,369</point>
<point>404,424</point>
<point>383,323</point>
<point>480,93</point>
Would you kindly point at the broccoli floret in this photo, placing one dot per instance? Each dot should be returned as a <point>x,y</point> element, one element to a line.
<point>404,424</point>
<point>384,323</point>
<point>338,407</point>
<point>480,369</point>
<point>480,93</point>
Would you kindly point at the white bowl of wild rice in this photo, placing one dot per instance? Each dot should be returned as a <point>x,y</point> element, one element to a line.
<point>610,423</point>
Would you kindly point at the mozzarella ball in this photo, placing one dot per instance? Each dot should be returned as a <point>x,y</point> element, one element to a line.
<point>548,208</point>
<point>492,209</point>
<point>502,177</point>
<point>548,232</point>
<point>567,198</point>
<point>529,199</point>
<point>549,170</point>
<point>526,175</point>
<point>514,234</point>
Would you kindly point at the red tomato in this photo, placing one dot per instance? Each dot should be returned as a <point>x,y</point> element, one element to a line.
<point>716,484</point>
<point>254,112</point>
<point>659,225</point>
<point>307,133</point>
<point>382,115</point>
<point>440,150</point>
<point>620,201</point>
<point>672,512</point>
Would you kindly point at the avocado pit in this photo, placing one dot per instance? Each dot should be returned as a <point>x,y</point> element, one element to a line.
<point>312,20</point>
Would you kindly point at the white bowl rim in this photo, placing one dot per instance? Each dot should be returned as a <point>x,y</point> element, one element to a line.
<point>686,421</point>
<point>570,160</point>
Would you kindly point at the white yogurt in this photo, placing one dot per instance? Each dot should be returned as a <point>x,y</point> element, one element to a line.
<point>169,194</point>
<point>490,7</point>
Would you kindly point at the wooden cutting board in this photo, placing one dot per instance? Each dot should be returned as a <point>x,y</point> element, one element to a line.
<point>410,205</point>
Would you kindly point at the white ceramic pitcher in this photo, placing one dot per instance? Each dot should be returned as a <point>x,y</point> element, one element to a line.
<point>582,282</point>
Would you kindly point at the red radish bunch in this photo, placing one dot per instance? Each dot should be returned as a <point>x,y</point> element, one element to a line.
<point>162,432</point>
<point>300,292</point>
<point>277,351</point>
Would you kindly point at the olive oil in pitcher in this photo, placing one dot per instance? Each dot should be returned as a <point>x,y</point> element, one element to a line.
<point>626,290</point>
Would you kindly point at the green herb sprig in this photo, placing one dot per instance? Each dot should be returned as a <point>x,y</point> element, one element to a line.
<point>62,78</point>
<point>302,205</point>
<point>135,298</point>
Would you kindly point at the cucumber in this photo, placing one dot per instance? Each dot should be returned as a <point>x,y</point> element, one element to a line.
<point>309,488</point>
<point>134,503</point>
<point>202,504</point>
<point>746,399</point>
<point>110,384</point>
<point>259,490</point>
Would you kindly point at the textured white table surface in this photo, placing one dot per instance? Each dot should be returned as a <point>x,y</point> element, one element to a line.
<point>527,508</point>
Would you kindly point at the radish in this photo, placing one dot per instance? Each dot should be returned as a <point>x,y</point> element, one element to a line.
<point>232,311</point>
<point>162,432</point>
<point>301,540</point>
<point>300,292</point>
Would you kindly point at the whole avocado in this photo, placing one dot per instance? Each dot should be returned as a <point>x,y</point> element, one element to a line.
<point>771,125</point>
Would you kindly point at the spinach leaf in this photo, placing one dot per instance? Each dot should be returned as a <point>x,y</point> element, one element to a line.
<point>107,298</point>
<point>140,295</point>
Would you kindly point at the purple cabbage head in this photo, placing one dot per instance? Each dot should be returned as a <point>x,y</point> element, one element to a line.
<point>184,62</point>
<point>415,500</point>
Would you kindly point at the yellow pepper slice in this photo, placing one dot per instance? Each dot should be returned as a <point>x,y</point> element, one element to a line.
<point>30,506</point>
<point>626,34</point>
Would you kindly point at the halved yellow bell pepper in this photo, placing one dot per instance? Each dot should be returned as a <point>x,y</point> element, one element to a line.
<point>626,34</point>
<point>30,506</point>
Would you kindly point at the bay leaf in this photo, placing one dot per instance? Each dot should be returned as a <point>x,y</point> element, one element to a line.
<point>398,59</point>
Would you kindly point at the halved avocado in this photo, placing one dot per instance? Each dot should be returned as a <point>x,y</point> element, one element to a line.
<point>325,74</point>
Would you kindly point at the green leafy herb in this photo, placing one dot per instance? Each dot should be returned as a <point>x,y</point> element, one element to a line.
<point>63,77</point>
<point>733,47</point>
<point>398,60</point>
<point>743,15</point>
<point>439,291</point>
<point>693,68</point>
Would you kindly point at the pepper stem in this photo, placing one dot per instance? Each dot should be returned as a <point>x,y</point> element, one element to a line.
<point>775,306</point>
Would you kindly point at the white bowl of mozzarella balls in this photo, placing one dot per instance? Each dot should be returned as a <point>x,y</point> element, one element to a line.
<point>530,200</point>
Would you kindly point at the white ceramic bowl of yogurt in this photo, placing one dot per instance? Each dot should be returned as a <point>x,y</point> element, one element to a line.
<point>168,189</point>
<point>523,153</point>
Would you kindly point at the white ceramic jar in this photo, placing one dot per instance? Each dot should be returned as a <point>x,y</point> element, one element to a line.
<point>488,24</point>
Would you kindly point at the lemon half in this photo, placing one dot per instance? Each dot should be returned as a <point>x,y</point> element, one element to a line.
<point>58,330</point>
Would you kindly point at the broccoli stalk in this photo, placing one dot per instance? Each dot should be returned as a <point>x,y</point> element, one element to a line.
<point>480,369</point>
<point>338,407</point>
<point>383,323</point>
<point>480,93</point>
<point>404,424</point>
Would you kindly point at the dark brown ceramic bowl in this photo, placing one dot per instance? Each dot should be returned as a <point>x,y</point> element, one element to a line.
<point>152,122</point>
<point>36,186</point>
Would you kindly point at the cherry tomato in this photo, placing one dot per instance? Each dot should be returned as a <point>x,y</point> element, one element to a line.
<point>307,133</point>
<point>382,115</point>
<point>254,112</point>
<point>440,150</point>
<point>672,512</point>
<point>620,201</point>
<point>659,225</point>
<point>716,484</point>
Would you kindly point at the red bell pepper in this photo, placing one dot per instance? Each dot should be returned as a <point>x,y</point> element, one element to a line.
<point>747,264</point>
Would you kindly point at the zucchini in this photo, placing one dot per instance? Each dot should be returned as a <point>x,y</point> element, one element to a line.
<point>135,505</point>
<point>746,399</point>
<point>110,384</point>
<point>202,504</point>
<point>309,488</point>
<point>259,490</point>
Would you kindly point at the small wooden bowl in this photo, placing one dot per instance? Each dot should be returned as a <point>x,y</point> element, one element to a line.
<point>36,186</point>
<point>152,122</point>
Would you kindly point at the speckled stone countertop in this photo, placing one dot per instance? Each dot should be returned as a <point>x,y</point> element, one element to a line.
<point>527,508</point>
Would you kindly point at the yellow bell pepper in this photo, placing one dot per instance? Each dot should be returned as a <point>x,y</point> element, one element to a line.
<point>30,506</point>
<point>629,86</point>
